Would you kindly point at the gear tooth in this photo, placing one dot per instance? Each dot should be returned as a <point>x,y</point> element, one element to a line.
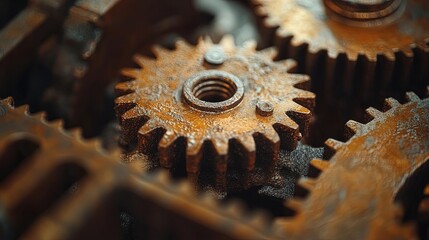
<point>167,139</point>
<point>352,128</point>
<point>320,164</point>
<point>124,88</point>
<point>207,40</point>
<point>294,204</point>
<point>331,147</point>
<point>149,136</point>
<point>94,143</point>
<point>148,127</point>
<point>308,100</point>
<point>209,200</point>
<point>288,131</point>
<point>75,133</point>
<point>116,153</point>
<point>316,167</point>
<point>57,123</point>
<point>235,208</point>
<point>131,73</point>
<point>271,134</point>
<point>307,183</point>
<point>412,97</point>
<point>7,102</point>
<point>259,219</point>
<point>289,65</point>
<point>166,148</point>
<point>41,116</point>
<point>280,222</point>
<point>221,158</point>
<point>22,109</point>
<point>373,112</point>
<point>269,53</point>
<point>301,116</point>
<point>391,103</point>
<point>131,113</point>
<point>227,41</point>
<point>125,100</point>
<point>221,146</point>
<point>144,62</point>
<point>303,187</point>
<point>182,44</point>
<point>186,188</point>
<point>249,145</point>
<point>162,177</point>
<point>250,44</point>
<point>305,95</point>
<point>159,51</point>
<point>194,153</point>
<point>131,120</point>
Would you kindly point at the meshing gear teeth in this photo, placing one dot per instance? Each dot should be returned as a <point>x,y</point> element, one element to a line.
<point>356,61</point>
<point>354,194</point>
<point>221,109</point>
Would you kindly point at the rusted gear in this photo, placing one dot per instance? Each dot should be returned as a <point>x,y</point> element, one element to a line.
<point>351,66</point>
<point>354,195</point>
<point>78,191</point>
<point>92,64</point>
<point>229,107</point>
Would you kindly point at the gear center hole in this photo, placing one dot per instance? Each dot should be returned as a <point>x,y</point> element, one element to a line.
<point>214,89</point>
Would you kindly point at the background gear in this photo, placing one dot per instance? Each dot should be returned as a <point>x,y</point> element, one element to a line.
<point>359,182</point>
<point>237,135</point>
<point>351,67</point>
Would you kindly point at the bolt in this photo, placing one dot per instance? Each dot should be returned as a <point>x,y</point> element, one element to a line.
<point>264,109</point>
<point>215,55</point>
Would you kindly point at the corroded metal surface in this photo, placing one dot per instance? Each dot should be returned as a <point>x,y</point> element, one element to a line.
<point>352,67</point>
<point>354,195</point>
<point>54,185</point>
<point>235,136</point>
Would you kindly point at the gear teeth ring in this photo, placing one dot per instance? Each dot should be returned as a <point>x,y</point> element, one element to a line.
<point>394,145</point>
<point>218,116</point>
<point>351,67</point>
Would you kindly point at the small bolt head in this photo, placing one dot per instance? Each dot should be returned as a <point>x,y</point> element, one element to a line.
<point>215,55</point>
<point>264,109</point>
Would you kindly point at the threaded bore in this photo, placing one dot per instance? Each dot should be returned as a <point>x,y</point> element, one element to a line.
<point>213,91</point>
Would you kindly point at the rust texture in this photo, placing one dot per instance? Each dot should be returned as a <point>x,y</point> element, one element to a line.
<point>219,128</point>
<point>361,177</point>
<point>352,67</point>
<point>55,185</point>
<point>193,125</point>
<point>96,46</point>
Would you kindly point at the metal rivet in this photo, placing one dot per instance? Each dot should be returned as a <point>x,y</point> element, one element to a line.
<point>215,55</point>
<point>264,109</point>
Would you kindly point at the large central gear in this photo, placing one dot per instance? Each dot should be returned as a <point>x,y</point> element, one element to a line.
<point>229,107</point>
